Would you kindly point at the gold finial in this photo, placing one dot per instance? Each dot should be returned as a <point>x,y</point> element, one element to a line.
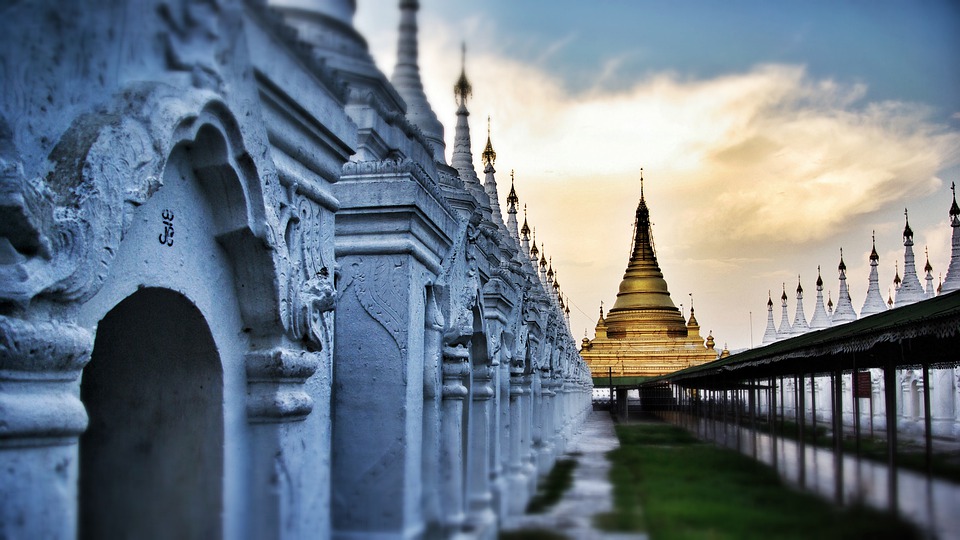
<point>489,156</point>
<point>462,90</point>
<point>641,183</point>
<point>512,199</point>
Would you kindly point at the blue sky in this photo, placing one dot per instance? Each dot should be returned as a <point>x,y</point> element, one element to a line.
<point>906,50</point>
<point>771,135</point>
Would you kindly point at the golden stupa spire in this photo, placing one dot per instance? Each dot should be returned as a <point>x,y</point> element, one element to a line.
<point>643,286</point>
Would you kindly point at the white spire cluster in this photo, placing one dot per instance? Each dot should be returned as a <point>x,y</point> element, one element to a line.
<point>905,291</point>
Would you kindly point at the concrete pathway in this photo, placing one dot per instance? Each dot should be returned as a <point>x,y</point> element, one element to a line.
<point>591,493</point>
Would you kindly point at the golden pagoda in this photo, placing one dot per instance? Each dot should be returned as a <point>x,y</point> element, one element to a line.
<point>644,334</point>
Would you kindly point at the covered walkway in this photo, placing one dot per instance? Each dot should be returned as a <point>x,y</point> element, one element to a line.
<point>747,390</point>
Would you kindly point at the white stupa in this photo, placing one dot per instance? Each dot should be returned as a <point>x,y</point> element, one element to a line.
<point>873,303</point>
<point>910,290</point>
<point>820,318</point>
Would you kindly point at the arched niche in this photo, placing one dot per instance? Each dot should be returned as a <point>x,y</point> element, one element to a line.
<point>151,460</point>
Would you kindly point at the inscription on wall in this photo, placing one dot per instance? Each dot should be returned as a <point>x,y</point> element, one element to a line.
<point>167,237</point>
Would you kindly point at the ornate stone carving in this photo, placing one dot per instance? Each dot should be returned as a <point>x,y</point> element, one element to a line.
<point>310,285</point>
<point>47,354</point>
<point>381,295</point>
<point>61,232</point>
<point>193,40</point>
<point>275,380</point>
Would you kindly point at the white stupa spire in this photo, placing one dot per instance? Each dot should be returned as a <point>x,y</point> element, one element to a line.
<point>489,158</point>
<point>800,325</point>
<point>820,318</point>
<point>830,306</point>
<point>462,159</point>
<point>952,281</point>
<point>928,291</point>
<point>873,303</point>
<point>910,290</point>
<point>770,334</point>
<point>844,312</point>
<point>406,79</point>
<point>512,203</point>
<point>784,331</point>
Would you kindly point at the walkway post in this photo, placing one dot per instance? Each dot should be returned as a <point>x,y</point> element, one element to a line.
<point>927,428</point>
<point>782,396</point>
<point>813,406</point>
<point>799,408</point>
<point>753,396</point>
<point>837,386</point>
<point>890,393</point>
<point>723,413</point>
<point>855,377</point>
<point>736,416</point>
<point>772,419</point>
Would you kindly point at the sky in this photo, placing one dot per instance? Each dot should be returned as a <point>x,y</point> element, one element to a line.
<point>771,135</point>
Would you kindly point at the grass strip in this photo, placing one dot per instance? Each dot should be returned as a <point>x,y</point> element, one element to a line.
<point>531,534</point>
<point>553,486</point>
<point>673,486</point>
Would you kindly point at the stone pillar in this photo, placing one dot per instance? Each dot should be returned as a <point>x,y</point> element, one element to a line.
<point>456,368</point>
<point>545,426</point>
<point>528,437</point>
<point>517,481</point>
<point>562,416</point>
<point>378,398</point>
<point>501,429</point>
<point>954,373</point>
<point>941,395</point>
<point>481,518</point>
<point>432,394</point>
<point>387,260</point>
<point>622,403</point>
<point>277,405</point>
<point>42,419</point>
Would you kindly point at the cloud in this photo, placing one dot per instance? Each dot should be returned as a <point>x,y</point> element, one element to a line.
<point>751,176</point>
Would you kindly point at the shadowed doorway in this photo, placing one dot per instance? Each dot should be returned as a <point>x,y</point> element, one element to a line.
<point>151,461</point>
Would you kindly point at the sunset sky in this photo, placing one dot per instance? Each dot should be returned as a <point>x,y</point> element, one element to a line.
<point>771,134</point>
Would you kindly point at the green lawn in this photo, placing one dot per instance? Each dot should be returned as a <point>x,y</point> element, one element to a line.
<point>553,486</point>
<point>673,486</point>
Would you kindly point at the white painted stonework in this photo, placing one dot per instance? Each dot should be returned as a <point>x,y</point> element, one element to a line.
<point>243,296</point>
